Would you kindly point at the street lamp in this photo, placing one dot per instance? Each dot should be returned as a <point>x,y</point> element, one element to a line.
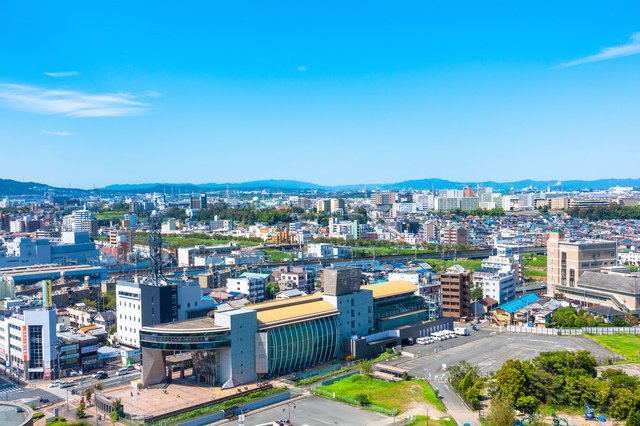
<point>294,407</point>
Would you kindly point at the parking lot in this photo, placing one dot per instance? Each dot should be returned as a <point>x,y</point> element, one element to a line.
<point>489,353</point>
<point>315,410</point>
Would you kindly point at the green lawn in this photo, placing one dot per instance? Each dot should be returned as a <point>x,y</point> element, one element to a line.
<point>468,264</point>
<point>539,262</point>
<point>627,345</point>
<point>423,421</point>
<point>110,214</point>
<point>532,273</point>
<point>398,395</point>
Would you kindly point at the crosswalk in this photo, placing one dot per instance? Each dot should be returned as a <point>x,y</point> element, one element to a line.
<point>9,389</point>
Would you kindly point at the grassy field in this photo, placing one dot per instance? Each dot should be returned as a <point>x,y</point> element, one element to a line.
<point>532,273</point>
<point>398,395</point>
<point>423,421</point>
<point>539,262</point>
<point>627,345</point>
<point>110,214</point>
<point>176,242</point>
<point>468,264</point>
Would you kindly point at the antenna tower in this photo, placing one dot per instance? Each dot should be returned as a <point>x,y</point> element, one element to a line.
<point>155,277</point>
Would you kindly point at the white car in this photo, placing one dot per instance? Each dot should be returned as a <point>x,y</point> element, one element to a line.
<point>56,384</point>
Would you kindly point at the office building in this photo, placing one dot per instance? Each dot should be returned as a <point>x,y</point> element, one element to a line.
<point>337,206</point>
<point>323,206</point>
<point>467,192</point>
<point>568,260</point>
<point>252,285</point>
<point>76,247</point>
<point>123,238</point>
<point>28,341</point>
<point>142,304</point>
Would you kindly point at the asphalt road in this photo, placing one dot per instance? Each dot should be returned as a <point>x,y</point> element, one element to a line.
<point>316,410</point>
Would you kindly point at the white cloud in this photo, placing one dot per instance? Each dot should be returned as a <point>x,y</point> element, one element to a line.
<point>631,48</point>
<point>153,94</point>
<point>62,74</point>
<point>69,102</point>
<point>46,132</point>
<point>302,68</point>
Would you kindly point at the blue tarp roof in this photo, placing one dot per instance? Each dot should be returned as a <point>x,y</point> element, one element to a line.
<point>519,303</point>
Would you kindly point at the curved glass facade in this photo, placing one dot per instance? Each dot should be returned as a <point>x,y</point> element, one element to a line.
<point>303,344</point>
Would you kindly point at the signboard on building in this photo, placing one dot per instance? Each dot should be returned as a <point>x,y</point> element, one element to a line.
<point>24,342</point>
<point>69,356</point>
<point>90,348</point>
<point>46,294</point>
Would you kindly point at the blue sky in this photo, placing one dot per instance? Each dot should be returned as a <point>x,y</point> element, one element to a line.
<point>325,92</point>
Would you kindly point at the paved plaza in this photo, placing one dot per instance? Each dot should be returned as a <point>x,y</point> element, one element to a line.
<point>182,393</point>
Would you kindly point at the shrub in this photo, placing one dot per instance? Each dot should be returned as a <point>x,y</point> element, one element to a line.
<point>33,405</point>
<point>363,399</point>
<point>38,416</point>
<point>389,351</point>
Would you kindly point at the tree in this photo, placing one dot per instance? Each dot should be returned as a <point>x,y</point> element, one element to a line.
<point>476,293</point>
<point>365,367</point>
<point>405,375</point>
<point>90,302</point>
<point>272,289</point>
<point>528,404</point>
<point>99,385</point>
<point>500,413</point>
<point>88,394</point>
<point>511,379</point>
<point>80,411</point>
<point>113,330</point>
<point>633,419</point>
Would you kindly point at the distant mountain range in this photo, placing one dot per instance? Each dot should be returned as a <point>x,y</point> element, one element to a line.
<point>274,184</point>
<point>12,187</point>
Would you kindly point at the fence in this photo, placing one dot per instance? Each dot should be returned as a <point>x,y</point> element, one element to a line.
<point>354,402</point>
<point>572,331</point>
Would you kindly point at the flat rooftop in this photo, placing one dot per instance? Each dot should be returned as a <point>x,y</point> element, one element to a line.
<point>390,288</point>
<point>196,324</point>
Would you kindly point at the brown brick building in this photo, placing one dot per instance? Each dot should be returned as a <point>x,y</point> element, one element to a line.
<point>456,294</point>
<point>454,235</point>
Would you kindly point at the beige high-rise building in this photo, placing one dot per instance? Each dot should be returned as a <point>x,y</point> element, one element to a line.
<point>323,206</point>
<point>454,235</point>
<point>385,198</point>
<point>567,260</point>
<point>337,205</point>
<point>560,203</point>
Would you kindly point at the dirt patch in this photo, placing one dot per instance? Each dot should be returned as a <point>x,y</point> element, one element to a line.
<point>424,409</point>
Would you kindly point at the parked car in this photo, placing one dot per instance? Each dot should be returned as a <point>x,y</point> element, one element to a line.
<point>74,373</point>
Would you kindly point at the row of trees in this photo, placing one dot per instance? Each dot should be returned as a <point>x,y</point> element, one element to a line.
<point>567,378</point>
<point>612,211</point>
<point>570,317</point>
<point>466,378</point>
<point>498,211</point>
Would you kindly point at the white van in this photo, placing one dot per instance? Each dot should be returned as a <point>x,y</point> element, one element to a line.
<point>461,331</point>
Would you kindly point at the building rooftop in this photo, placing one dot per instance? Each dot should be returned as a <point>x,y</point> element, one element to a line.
<point>390,288</point>
<point>519,303</point>
<point>616,283</point>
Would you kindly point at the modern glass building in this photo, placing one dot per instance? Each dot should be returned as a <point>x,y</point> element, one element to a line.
<point>241,345</point>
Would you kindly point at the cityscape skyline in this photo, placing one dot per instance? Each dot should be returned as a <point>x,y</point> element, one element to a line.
<point>229,90</point>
